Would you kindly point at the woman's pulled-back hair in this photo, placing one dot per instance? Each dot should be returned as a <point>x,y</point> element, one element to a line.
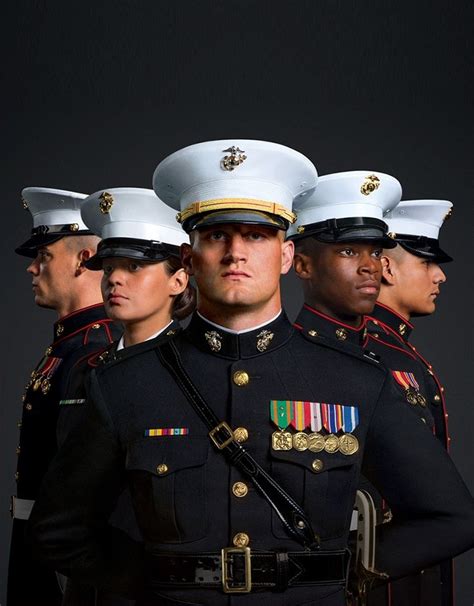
<point>185,303</point>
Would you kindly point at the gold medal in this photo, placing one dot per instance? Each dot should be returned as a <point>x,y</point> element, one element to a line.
<point>421,399</point>
<point>316,442</point>
<point>300,441</point>
<point>411,396</point>
<point>45,386</point>
<point>348,444</point>
<point>331,443</point>
<point>36,384</point>
<point>281,440</point>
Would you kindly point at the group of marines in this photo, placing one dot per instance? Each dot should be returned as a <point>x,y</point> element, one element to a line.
<point>242,459</point>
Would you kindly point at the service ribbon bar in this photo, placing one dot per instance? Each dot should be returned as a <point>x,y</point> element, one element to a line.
<point>167,431</point>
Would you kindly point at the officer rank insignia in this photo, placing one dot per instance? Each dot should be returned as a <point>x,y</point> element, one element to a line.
<point>41,377</point>
<point>410,386</point>
<point>325,421</point>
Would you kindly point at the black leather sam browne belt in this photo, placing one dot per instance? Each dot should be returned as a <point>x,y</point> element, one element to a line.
<point>238,569</point>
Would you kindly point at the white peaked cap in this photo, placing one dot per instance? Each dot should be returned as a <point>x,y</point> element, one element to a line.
<point>131,212</point>
<point>418,217</point>
<point>234,180</point>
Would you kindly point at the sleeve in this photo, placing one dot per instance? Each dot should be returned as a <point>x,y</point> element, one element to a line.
<point>68,527</point>
<point>433,511</point>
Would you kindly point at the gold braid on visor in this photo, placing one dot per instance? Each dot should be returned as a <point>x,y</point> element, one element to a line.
<point>236,204</point>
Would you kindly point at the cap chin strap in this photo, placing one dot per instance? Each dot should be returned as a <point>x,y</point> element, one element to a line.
<point>334,229</point>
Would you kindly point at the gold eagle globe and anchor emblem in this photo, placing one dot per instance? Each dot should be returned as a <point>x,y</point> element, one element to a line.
<point>264,339</point>
<point>214,340</point>
<point>106,202</point>
<point>235,158</point>
<point>371,183</point>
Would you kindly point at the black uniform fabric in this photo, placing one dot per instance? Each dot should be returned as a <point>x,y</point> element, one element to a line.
<point>70,416</point>
<point>77,335</point>
<point>184,491</point>
<point>389,335</point>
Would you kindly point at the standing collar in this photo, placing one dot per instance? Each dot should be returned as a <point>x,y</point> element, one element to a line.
<point>393,320</point>
<point>320,324</point>
<point>78,320</point>
<point>221,342</point>
<point>120,344</point>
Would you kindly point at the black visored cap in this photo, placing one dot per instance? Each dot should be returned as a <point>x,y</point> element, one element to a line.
<point>131,248</point>
<point>421,246</point>
<point>244,216</point>
<point>44,235</point>
<point>349,229</point>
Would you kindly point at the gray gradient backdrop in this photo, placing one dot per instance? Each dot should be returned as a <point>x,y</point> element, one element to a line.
<point>97,93</point>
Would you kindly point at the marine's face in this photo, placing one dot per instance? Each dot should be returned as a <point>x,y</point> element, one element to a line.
<point>136,291</point>
<point>418,282</point>
<point>52,271</point>
<point>341,280</point>
<point>237,265</point>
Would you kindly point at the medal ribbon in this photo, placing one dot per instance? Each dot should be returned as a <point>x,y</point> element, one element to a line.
<point>350,418</point>
<point>315,416</point>
<point>301,415</point>
<point>405,379</point>
<point>334,418</point>
<point>281,413</point>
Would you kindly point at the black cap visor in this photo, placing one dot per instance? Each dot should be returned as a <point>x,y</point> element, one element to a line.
<point>131,248</point>
<point>40,238</point>
<point>421,246</point>
<point>352,229</point>
<point>246,217</point>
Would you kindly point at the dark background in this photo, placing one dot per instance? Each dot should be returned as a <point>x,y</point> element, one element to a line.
<point>96,93</point>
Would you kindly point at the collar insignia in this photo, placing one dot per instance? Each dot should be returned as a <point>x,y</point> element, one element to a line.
<point>214,340</point>
<point>264,339</point>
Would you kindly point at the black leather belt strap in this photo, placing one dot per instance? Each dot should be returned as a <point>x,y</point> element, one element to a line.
<point>271,570</point>
<point>292,516</point>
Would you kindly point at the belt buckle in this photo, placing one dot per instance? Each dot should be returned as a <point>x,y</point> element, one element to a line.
<point>213,435</point>
<point>227,580</point>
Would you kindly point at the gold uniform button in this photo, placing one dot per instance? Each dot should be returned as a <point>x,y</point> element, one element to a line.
<point>442,389</point>
<point>48,351</point>
<point>23,397</point>
<point>162,468</point>
<point>375,335</point>
<point>28,406</point>
<point>240,489</point>
<point>17,450</point>
<point>241,434</point>
<point>317,465</point>
<point>241,378</point>
<point>241,539</point>
<point>59,330</point>
<point>437,398</point>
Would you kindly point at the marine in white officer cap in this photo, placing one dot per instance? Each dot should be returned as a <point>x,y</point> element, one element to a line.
<point>56,213</point>
<point>347,206</point>
<point>132,223</point>
<point>415,225</point>
<point>234,181</point>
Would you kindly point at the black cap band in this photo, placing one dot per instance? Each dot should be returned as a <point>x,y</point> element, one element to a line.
<point>131,248</point>
<point>348,229</point>
<point>422,246</point>
<point>48,234</point>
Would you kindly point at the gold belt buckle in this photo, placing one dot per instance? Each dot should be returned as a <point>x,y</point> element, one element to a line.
<point>227,579</point>
<point>213,435</point>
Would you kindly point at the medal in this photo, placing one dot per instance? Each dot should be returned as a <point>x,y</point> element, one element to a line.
<point>315,442</point>
<point>421,399</point>
<point>331,443</point>
<point>348,444</point>
<point>300,441</point>
<point>36,384</point>
<point>411,396</point>
<point>281,440</point>
<point>45,386</point>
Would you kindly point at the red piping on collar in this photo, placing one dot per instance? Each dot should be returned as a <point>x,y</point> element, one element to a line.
<point>334,321</point>
<point>404,320</point>
<point>103,321</point>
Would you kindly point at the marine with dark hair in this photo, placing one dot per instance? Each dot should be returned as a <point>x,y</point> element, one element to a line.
<point>411,280</point>
<point>59,247</point>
